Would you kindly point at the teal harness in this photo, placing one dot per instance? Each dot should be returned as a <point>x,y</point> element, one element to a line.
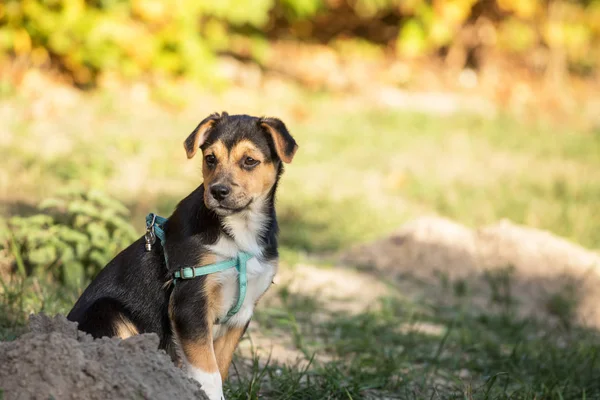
<point>155,228</point>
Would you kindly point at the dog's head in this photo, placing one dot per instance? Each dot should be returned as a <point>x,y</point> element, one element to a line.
<point>242,159</point>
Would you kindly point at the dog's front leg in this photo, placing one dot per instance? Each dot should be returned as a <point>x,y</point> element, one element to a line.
<point>225,346</point>
<point>201,365</point>
<point>193,328</point>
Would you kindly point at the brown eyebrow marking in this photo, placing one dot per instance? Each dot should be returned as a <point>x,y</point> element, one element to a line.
<point>245,147</point>
<point>218,149</point>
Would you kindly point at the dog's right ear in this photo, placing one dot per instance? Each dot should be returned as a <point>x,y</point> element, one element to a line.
<point>199,135</point>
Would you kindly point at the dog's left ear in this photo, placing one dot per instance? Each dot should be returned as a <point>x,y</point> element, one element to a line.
<point>199,135</point>
<point>285,145</point>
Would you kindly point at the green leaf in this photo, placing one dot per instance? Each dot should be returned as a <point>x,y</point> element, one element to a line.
<point>43,255</point>
<point>412,39</point>
<point>51,203</point>
<point>98,233</point>
<point>99,258</point>
<point>67,254</point>
<point>73,274</point>
<point>84,208</point>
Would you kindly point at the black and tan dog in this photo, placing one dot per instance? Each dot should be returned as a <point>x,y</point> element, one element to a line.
<point>231,212</point>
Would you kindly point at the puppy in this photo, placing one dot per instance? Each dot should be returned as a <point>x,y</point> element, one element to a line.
<point>232,211</point>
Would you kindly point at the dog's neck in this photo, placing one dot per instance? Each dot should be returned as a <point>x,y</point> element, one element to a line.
<point>253,230</point>
<point>246,228</point>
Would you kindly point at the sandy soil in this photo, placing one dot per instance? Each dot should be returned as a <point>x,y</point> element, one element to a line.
<point>56,361</point>
<point>429,250</point>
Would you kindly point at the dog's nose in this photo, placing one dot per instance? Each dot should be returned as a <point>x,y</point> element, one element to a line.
<point>219,192</point>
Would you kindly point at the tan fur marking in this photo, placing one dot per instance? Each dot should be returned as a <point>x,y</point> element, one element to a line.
<point>208,258</point>
<point>224,347</point>
<point>248,183</point>
<point>199,138</point>
<point>201,354</point>
<point>260,179</point>
<point>124,328</point>
<point>171,308</point>
<point>245,148</point>
<point>279,144</point>
<point>174,350</point>
<point>212,291</point>
<point>219,150</point>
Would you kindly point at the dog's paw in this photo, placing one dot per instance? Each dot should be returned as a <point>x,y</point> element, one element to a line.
<point>210,381</point>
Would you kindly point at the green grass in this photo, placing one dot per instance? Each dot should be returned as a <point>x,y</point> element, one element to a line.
<point>383,354</point>
<point>24,296</point>
<point>359,174</point>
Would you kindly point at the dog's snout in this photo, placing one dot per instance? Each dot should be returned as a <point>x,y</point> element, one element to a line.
<point>219,192</point>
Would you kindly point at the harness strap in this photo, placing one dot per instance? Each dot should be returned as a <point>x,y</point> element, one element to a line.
<point>155,228</point>
<point>242,259</point>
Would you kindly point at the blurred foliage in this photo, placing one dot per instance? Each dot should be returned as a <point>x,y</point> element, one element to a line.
<point>72,238</point>
<point>160,38</point>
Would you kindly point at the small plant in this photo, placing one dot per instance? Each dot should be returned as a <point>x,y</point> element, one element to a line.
<point>500,285</point>
<point>70,240</point>
<point>563,304</point>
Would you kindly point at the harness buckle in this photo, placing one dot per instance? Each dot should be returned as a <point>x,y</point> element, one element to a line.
<point>181,276</point>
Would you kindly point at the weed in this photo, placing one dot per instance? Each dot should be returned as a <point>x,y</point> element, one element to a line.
<point>71,238</point>
<point>563,303</point>
<point>500,285</point>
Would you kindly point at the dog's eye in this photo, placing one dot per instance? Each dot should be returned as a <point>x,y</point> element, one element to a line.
<point>250,162</point>
<point>210,159</point>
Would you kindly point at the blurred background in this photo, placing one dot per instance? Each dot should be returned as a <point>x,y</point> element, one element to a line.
<point>448,175</point>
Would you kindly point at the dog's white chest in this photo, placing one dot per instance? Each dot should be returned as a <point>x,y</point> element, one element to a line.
<point>259,275</point>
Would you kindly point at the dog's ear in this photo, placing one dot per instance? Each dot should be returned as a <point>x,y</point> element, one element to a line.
<point>199,135</point>
<point>285,145</point>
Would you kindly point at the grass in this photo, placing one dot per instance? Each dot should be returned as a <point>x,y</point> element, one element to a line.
<point>402,350</point>
<point>386,353</point>
<point>24,296</point>
<point>359,174</point>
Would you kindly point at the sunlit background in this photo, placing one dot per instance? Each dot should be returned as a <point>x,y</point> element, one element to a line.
<point>449,164</point>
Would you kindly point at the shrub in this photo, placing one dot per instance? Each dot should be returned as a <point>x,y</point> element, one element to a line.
<point>131,38</point>
<point>135,38</point>
<point>72,238</point>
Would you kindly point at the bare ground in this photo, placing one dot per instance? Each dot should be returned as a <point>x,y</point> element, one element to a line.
<point>540,264</point>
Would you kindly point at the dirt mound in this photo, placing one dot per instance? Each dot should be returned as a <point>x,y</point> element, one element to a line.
<point>541,265</point>
<point>55,360</point>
